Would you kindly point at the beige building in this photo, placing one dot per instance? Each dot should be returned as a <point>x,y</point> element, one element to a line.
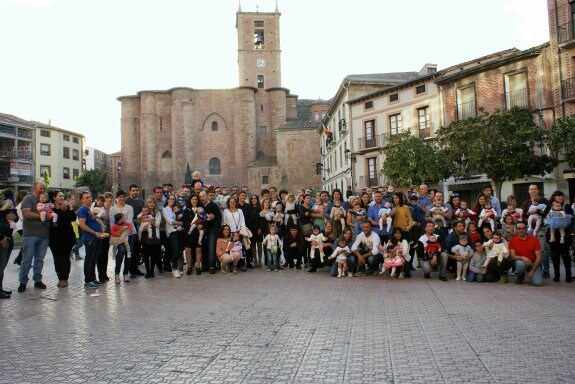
<point>60,152</point>
<point>254,134</point>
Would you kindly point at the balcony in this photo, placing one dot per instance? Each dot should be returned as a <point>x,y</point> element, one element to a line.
<point>377,141</point>
<point>518,98</point>
<point>568,88</point>
<point>366,181</point>
<point>15,154</point>
<point>25,133</point>
<point>466,110</point>
<point>565,33</point>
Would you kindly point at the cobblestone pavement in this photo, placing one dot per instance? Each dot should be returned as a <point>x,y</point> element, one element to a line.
<point>286,327</point>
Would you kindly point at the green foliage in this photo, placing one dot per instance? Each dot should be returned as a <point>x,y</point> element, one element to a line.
<point>96,180</point>
<point>412,160</point>
<point>561,140</point>
<point>502,145</point>
<point>188,175</point>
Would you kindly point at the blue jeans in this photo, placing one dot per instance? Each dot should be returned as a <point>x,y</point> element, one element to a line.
<point>521,269</point>
<point>426,264</point>
<point>210,245</point>
<point>474,276</point>
<point>33,248</point>
<point>545,250</point>
<point>77,246</point>
<point>174,245</point>
<point>272,258</point>
<point>121,256</point>
<point>92,252</point>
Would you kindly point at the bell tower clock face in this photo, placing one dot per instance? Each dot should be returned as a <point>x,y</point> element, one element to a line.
<point>260,63</point>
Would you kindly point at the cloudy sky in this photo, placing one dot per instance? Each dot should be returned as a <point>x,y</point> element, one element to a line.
<point>68,60</point>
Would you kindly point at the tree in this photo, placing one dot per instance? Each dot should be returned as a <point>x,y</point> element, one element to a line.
<point>561,139</point>
<point>503,145</point>
<point>188,175</point>
<point>412,160</point>
<point>96,180</point>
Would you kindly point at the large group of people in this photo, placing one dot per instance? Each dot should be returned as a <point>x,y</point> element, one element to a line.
<point>208,229</point>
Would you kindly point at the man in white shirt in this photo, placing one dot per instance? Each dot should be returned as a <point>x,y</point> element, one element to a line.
<point>366,249</point>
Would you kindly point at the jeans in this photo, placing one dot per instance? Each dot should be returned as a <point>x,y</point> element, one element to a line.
<point>33,248</point>
<point>121,256</point>
<point>174,246</point>
<point>4,256</point>
<point>210,244</point>
<point>545,250</point>
<point>426,265</point>
<point>77,246</point>
<point>272,259</point>
<point>521,269</point>
<point>474,276</point>
<point>92,253</point>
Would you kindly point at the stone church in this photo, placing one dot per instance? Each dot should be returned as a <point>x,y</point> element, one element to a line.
<point>258,134</point>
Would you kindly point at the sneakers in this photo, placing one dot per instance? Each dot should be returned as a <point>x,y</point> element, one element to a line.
<point>463,278</point>
<point>91,284</point>
<point>502,280</point>
<point>520,280</point>
<point>349,274</point>
<point>21,288</point>
<point>176,273</point>
<point>39,285</point>
<point>117,279</point>
<point>458,278</point>
<point>126,278</point>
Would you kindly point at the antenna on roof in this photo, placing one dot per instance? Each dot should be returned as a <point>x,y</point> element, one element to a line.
<point>239,5</point>
<point>277,8</point>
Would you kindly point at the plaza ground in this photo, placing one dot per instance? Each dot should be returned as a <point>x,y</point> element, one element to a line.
<point>285,327</point>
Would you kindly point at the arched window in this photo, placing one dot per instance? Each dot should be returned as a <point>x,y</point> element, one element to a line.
<point>214,166</point>
<point>214,125</point>
<point>167,155</point>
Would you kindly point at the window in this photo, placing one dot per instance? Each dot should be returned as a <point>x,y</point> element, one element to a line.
<point>167,155</point>
<point>369,133</point>
<point>45,149</point>
<point>423,122</point>
<point>214,166</point>
<point>431,70</point>
<point>258,23</point>
<point>260,81</point>
<point>318,167</point>
<point>420,89</point>
<point>66,137</point>
<point>394,124</point>
<point>394,97</point>
<point>66,173</point>
<point>372,171</point>
<point>75,140</point>
<point>75,173</point>
<point>66,153</point>
<point>466,102</point>
<point>516,90</point>
<point>316,116</point>
<point>368,105</point>
<point>44,133</point>
<point>258,38</point>
<point>265,179</point>
<point>75,154</point>
<point>214,125</point>
<point>262,130</point>
<point>44,168</point>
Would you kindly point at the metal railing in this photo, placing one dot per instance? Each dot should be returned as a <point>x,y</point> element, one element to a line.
<point>377,141</point>
<point>466,110</point>
<point>15,154</point>
<point>565,32</point>
<point>568,88</point>
<point>518,98</point>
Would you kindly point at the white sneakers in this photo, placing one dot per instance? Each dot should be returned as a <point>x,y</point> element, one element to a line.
<point>176,273</point>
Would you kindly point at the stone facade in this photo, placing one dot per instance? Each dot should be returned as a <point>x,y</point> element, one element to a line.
<point>221,133</point>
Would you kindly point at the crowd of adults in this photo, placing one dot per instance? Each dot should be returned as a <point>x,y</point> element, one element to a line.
<point>206,229</point>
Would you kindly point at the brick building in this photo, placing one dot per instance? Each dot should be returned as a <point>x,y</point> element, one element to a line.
<point>252,134</point>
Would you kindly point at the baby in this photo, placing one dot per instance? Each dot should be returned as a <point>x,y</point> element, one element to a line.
<point>463,250</point>
<point>338,213</point>
<point>278,216</point>
<point>98,212</point>
<point>437,212</point>
<point>393,259</point>
<point>179,212</point>
<point>432,247</point>
<point>340,254</point>
<point>316,239</point>
<point>557,219</point>
<point>197,223</point>
<point>290,211</point>
<point>384,216</point>
<point>45,208</point>
<point>358,217</point>
<point>119,233</point>
<point>537,204</point>
<point>237,250</point>
<point>145,226</point>
<point>464,213</point>
<point>498,249</point>
<point>487,215</point>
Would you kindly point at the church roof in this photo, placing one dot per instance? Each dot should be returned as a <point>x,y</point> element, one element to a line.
<point>299,124</point>
<point>394,77</point>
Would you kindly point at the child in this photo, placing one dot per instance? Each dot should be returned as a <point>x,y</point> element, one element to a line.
<point>508,227</point>
<point>393,259</point>
<point>464,250</point>
<point>179,212</point>
<point>278,216</point>
<point>557,219</point>
<point>432,248</point>
<point>198,222</point>
<point>317,239</point>
<point>45,207</point>
<point>498,249</point>
<point>271,244</point>
<point>237,249</point>
<point>119,234</point>
<point>464,213</point>
<point>338,214</point>
<point>437,212</point>
<point>476,263</point>
<point>98,211</point>
<point>146,226</point>
<point>7,203</point>
<point>341,253</point>
<point>384,217</point>
<point>472,232</point>
<point>291,211</point>
<point>358,216</point>
<point>536,204</point>
<point>487,215</point>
